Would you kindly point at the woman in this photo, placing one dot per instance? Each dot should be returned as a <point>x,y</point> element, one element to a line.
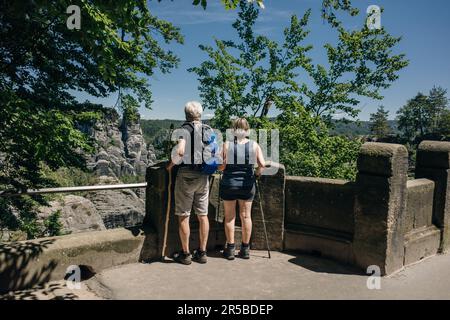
<point>238,185</point>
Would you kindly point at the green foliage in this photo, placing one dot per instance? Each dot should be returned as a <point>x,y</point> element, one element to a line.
<point>380,126</point>
<point>157,133</point>
<point>307,148</point>
<point>132,179</point>
<point>249,77</point>
<point>229,4</point>
<point>444,124</point>
<point>53,224</point>
<point>117,48</point>
<point>69,176</point>
<point>20,213</point>
<point>130,107</point>
<point>425,116</point>
<point>438,105</point>
<point>245,77</point>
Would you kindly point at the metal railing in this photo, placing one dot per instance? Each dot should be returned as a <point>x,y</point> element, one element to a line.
<point>75,189</point>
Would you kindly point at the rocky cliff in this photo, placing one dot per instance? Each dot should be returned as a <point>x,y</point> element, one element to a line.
<point>120,151</point>
<point>120,146</point>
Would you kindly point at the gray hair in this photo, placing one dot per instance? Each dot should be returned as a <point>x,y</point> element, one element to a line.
<point>193,111</point>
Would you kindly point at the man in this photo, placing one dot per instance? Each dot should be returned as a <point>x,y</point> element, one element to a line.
<point>191,185</point>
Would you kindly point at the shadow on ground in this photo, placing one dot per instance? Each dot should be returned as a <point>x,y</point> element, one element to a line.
<point>316,263</point>
<point>51,291</point>
<point>15,260</point>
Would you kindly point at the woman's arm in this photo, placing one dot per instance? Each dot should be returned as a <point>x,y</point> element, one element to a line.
<point>224,157</point>
<point>259,160</point>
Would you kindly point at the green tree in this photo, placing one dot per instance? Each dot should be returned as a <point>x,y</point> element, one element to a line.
<point>379,126</point>
<point>256,74</point>
<point>414,118</point>
<point>444,124</point>
<point>116,49</point>
<point>327,5</point>
<point>307,148</point>
<point>438,103</point>
<point>246,76</point>
<point>424,115</point>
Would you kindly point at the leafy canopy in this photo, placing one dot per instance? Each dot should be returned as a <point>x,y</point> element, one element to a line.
<point>244,77</point>
<point>120,44</point>
<point>255,74</point>
<point>425,116</point>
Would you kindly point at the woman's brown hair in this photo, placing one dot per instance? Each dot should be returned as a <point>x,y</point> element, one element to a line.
<point>241,124</point>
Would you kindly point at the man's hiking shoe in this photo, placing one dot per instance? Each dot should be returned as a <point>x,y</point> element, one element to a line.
<point>244,253</point>
<point>182,257</point>
<point>199,256</point>
<point>229,252</point>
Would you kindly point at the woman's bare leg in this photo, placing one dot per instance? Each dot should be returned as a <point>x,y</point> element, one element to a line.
<point>230,217</point>
<point>245,211</point>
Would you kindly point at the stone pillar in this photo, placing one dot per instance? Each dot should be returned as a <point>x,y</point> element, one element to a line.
<point>433,162</point>
<point>155,207</point>
<point>273,203</point>
<point>380,206</point>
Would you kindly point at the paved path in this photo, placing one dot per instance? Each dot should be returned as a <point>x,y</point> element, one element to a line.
<point>55,290</point>
<point>285,276</point>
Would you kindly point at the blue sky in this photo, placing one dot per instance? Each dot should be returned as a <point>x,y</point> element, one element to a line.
<point>423,25</point>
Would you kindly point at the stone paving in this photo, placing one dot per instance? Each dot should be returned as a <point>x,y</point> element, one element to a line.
<point>285,276</point>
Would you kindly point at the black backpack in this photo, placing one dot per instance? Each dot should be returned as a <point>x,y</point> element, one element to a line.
<point>209,147</point>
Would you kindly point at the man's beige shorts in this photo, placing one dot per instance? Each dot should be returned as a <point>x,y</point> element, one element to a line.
<point>191,192</point>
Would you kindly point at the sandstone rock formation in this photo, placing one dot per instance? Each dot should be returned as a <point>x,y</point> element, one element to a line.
<point>78,214</point>
<point>120,150</point>
<point>120,146</point>
<point>118,208</point>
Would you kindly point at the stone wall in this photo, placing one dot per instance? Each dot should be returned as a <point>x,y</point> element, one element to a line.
<point>433,162</point>
<point>422,238</point>
<point>319,216</point>
<point>272,193</point>
<point>29,263</point>
<point>382,218</point>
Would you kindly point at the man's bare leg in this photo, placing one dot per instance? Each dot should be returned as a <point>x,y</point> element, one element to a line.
<point>204,231</point>
<point>184,231</point>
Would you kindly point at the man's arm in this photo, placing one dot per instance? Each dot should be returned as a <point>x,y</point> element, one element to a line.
<point>177,157</point>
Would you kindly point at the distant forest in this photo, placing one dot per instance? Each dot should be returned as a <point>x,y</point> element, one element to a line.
<point>158,129</point>
<point>358,128</point>
<point>156,132</point>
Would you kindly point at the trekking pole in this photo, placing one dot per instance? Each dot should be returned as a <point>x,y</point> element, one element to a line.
<point>218,203</point>
<point>169,196</point>
<point>262,215</point>
<point>166,225</point>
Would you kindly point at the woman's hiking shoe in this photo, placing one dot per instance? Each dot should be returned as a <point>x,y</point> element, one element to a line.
<point>182,257</point>
<point>229,252</point>
<point>199,256</point>
<point>244,253</point>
